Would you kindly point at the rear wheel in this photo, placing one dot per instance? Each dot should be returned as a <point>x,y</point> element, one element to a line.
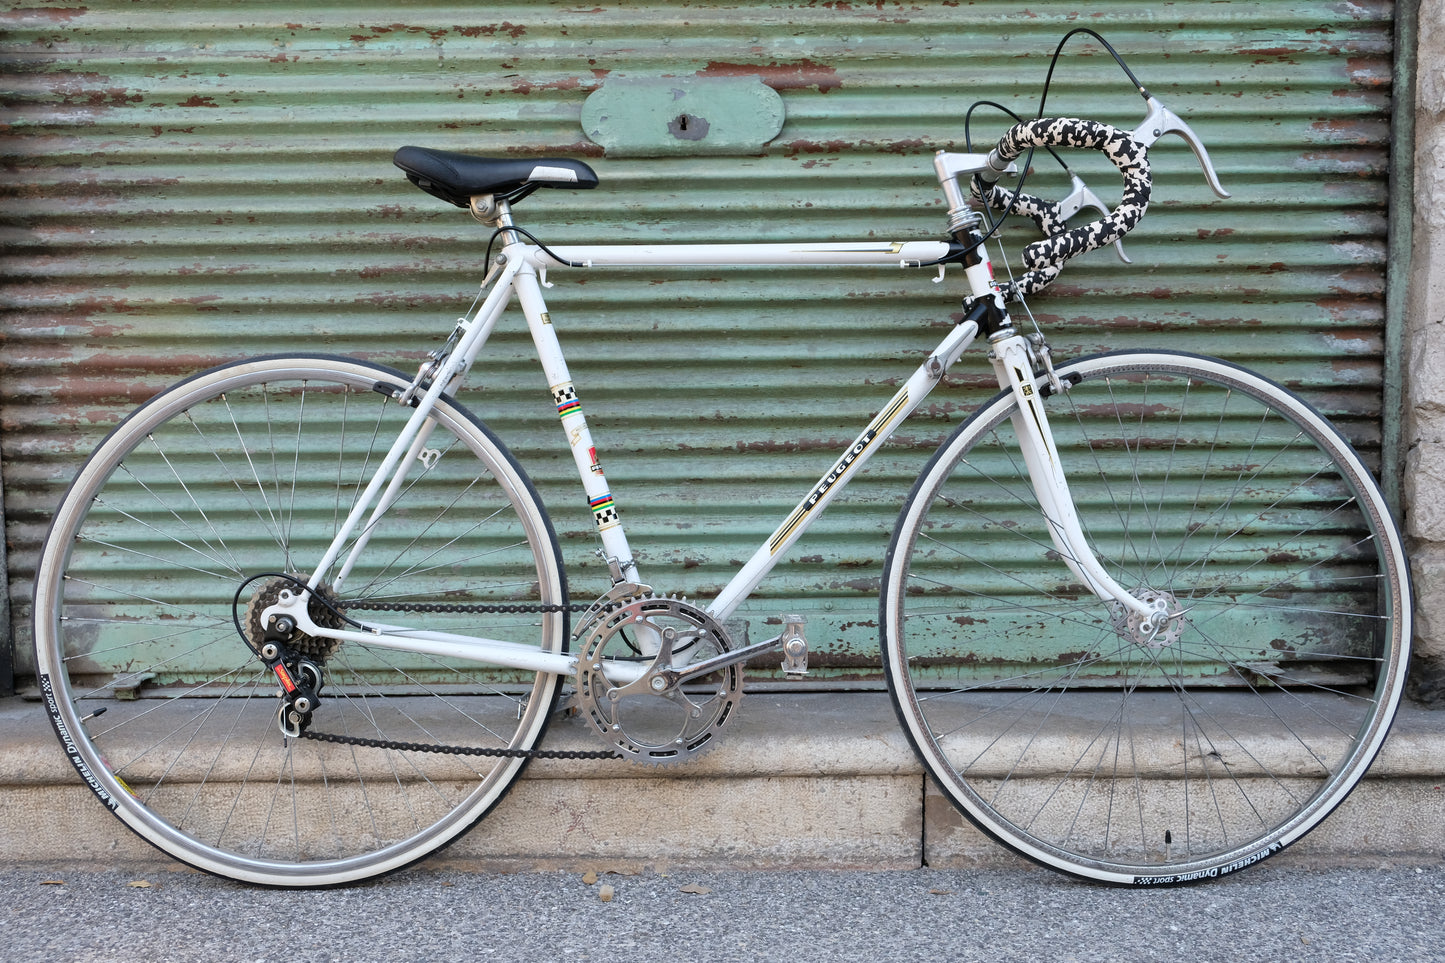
<point>233,481</point>
<point>1058,727</point>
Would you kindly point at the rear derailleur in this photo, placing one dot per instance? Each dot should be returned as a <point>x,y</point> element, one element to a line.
<point>301,679</point>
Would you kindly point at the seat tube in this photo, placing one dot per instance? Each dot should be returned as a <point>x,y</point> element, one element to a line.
<point>574,423</point>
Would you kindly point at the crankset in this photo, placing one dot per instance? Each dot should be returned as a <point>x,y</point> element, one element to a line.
<point>675,677</point>
<point>687,692</point>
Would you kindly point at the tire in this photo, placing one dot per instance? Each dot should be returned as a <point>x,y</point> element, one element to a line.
<point>166,712</point>
<point>1217,743</point>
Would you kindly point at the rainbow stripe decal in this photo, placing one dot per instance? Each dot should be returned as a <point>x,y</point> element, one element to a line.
<point>604,510</point>
<point>566,398</point>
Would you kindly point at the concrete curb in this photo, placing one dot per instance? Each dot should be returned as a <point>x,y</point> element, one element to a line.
<point>802,781</point>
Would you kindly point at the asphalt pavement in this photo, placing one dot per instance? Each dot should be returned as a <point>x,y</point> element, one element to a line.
<point>1276,912</point>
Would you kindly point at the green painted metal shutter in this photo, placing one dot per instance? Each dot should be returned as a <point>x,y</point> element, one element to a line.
<point>194,182</point>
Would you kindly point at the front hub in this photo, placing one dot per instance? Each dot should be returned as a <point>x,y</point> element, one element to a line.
<point>1160,626</point>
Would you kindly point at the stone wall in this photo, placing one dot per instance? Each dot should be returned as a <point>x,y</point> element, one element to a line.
<point>1424,427</point>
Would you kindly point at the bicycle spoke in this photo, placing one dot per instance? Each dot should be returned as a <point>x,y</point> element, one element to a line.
<point>236,481</point>
<point>1234,728</point>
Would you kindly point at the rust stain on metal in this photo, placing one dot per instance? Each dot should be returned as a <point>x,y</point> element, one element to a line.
<point>1344,308</point>
<point>378,31</point>
<point>201,302</point>
<point>1368,71</point>
<point>1345,130</point>
<point>573,149</point>
<point>52,14</point>
<point>1271,54</point>
<point>105,304</point>
<point>790,75</point>
<point>513,30</point>
<point>1363,336</point>
<point>1363,277</point>
<point>1360,163</point>
<point>520,85</point>
<point>796,147</point>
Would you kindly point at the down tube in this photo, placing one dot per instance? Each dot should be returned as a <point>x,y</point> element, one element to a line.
<point>899,407</point>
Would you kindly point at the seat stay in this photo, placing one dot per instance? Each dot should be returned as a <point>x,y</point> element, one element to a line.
<point>380,491</point>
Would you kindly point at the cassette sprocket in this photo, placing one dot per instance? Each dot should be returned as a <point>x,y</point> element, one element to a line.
<point>655,719</point>
<point>324,615</point>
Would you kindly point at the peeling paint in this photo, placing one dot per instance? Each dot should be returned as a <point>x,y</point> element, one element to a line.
<point>515,31</point>
<point>48,14</point>
<point>791,75</point>
<point>191,201</point>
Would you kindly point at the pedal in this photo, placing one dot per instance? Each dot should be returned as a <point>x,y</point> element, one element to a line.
<point>795,647</point>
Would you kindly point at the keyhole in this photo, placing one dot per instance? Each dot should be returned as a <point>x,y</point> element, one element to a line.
<point>688,127</point>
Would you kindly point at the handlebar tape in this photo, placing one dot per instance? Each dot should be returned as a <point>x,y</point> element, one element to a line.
<point>1043,260</point>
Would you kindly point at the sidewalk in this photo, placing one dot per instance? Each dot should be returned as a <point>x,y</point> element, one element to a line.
<point>815,781</point>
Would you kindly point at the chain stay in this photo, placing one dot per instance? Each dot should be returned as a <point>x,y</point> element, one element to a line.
<point>461,607</point>
<point>464,608</point>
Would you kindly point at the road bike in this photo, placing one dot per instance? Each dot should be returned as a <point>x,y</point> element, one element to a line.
<point>303,620</point>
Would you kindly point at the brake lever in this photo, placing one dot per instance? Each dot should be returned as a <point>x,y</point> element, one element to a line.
<point>1160,120</point>
<point>1080,198</point>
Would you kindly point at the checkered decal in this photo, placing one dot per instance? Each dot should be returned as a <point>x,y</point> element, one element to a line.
<point>603,510</point>
<point>566,398</point>
<point>1045,259</point>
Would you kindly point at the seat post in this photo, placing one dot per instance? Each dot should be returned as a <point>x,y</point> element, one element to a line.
<point>491,211</point>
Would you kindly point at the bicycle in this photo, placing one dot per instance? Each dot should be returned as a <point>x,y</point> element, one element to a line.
<point>1201,584</point>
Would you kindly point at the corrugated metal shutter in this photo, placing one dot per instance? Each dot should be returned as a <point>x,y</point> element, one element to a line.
<point>189,183</point>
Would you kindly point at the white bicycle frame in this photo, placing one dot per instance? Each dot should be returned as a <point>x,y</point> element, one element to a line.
<point>521,270</point>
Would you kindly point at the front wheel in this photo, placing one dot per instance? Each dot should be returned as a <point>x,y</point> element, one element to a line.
<point>1057,726</point>
<point>191,518</point>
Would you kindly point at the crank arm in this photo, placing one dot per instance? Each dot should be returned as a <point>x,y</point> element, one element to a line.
<point>724,659</point>
<point>661,677</point>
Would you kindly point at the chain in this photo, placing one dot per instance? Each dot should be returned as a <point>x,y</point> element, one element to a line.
<point>460,607</point>
<point>460,750</point>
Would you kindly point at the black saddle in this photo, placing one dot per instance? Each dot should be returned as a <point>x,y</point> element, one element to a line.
<point>457,178</point>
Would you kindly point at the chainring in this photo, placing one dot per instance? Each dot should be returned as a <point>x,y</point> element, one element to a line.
<point>666,724</point>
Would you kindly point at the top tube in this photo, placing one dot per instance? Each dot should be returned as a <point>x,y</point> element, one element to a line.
<point>901,254</point>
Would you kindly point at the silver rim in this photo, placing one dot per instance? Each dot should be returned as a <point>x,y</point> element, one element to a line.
<point>1093,752</point>
<point>245,470</point>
